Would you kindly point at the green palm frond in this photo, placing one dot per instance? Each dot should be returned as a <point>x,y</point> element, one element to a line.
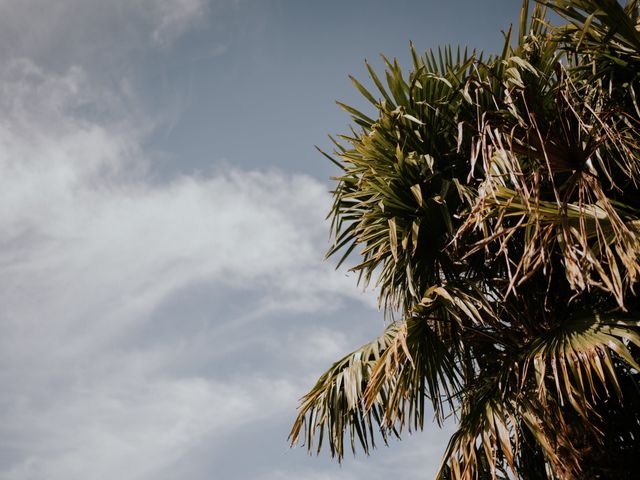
<point>576,358</point>
<point>600,24</point>
<point>397,196</point>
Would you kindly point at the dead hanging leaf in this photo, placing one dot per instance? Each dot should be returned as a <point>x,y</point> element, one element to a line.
<point>393,238</point>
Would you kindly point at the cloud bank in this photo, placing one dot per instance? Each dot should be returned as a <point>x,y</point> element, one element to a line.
<point>94,252</point>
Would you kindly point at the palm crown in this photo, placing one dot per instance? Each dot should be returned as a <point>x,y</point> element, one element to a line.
<point>496,203</point>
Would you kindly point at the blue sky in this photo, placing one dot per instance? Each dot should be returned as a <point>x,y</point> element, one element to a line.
<point>165,299</point>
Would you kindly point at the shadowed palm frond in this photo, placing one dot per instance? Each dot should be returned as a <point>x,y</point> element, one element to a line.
<point>576,359</point>
<point>572,365</point>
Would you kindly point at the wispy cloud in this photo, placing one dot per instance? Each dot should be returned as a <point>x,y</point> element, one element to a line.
<point>172,18</point>
<point>128,426</point>
<point>27,31</point>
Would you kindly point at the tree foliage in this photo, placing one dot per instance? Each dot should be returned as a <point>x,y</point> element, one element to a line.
<point>495,203</point>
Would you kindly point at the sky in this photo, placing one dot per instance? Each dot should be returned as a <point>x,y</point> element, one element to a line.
<point>165,301</point>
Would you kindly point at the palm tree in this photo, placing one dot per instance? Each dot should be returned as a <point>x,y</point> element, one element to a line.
<point>496,203</point>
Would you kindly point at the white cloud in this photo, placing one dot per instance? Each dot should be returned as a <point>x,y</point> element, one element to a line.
<point>133,427</point>
<point>172,18</point>
<point>115,23</point>
<point>86,225</point>
<point>91,250</point>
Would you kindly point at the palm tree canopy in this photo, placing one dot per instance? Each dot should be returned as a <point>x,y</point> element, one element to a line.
<point>495,202</point>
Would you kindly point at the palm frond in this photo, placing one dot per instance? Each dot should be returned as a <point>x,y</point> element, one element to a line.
<point>599,242</point>
<point>397,199</point>
<point>379,390</point>
<point>334,405</point>
<point>576,358</point>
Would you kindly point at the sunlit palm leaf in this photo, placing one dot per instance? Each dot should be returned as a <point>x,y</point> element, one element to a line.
<point>334,405</point>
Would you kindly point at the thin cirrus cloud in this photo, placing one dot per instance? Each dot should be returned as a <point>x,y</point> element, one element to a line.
<point>172,18</point>
<point>110,24</point>
<point>93,249</point>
